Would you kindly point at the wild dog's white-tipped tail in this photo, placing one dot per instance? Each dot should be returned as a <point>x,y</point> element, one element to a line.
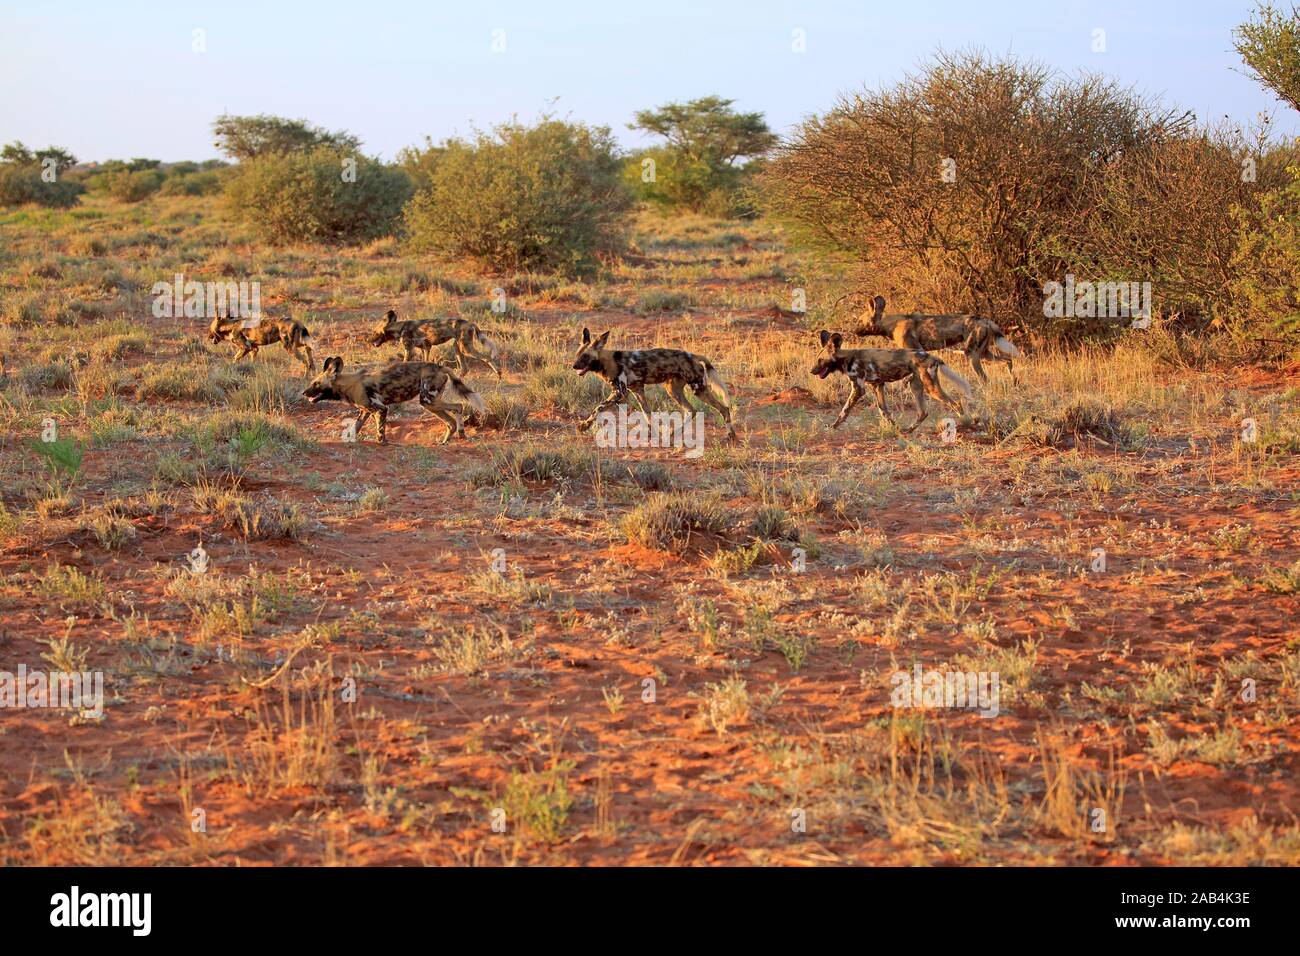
<point>465,394</point>
<point>1005,346</point>
<point>962,385</point>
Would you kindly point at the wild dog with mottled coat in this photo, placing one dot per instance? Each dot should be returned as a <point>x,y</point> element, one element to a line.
<point>876,367</point>
<point>423,334</point>
<point>375,391</point>
<point>634,369</point>
<point>978,337</point>
<point>252,334</point>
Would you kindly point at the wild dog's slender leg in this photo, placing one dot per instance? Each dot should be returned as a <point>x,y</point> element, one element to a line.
<point>448,415</point>
<point>933,388</point>
<point>879,389</point>
<point>616,397</point>
<point>706,394</point>
<point>677,389</point>
<point>638,392</point>
<point>246,347</point>
<point>974,356</point>
<point>296,350</point>
<point>488,361</point>
<point>451,420</point>
<point>918,392</point>
<point>380,410</point>
<point>855,395</point>
<point>997,356</point>
<point>363,416</point>
<point>311,359</point>
<point>465,351</point>
<point>458,350</point>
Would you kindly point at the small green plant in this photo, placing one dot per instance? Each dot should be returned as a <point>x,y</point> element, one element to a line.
<point>725,704</point>
<point>65,655</point>
<point>63,456</point>
<point>613,697</point>
<point>67,585</point>
<point>538,801</point>
<point>1282,580</point>
<point>670,520</point>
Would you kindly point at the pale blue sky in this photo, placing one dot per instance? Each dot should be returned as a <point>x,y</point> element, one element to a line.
<point>120,78</point>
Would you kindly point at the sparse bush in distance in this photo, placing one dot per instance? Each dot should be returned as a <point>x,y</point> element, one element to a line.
<point>128,186</point>
<point>192,184</point>
<point>303,196</point>
<point>21,179</point>
<point>548,197</point>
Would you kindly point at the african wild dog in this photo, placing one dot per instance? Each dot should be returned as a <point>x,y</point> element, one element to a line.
<point>978,337</point>
<point>633,370</point>
<point>374,391</point>
<point>875,367</point>
<point>252,334</point>
<point>423,334</point>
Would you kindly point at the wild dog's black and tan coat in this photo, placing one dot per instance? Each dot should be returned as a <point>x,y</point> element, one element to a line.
<point>632,370</point>
<point>978,337</point>
<point>468,341</point>
<point>876,367</point>
<point>252,334</point>
<point>375,391</point>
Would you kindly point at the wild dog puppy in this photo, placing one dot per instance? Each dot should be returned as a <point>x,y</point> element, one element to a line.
<point>978,337</point>
<point>374,391</point>
<point>632,371</point>
<point>252,334</point>
<point>875,367</point>
<point>423,334</point>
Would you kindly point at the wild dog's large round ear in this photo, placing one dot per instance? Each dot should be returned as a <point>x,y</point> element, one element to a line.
<point>604,337</point>
<point>333,364</point>
<point>391,315</point>
<point>824,336</point>
<point>586,336</point>
<point>836,339</point>
<point>879,303</point>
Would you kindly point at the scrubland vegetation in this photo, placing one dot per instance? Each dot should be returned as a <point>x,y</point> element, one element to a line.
<point>344,653</point>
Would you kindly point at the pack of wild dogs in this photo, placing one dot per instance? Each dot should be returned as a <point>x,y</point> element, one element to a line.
<point>374,390</point>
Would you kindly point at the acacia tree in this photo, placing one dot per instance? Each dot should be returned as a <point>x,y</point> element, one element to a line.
<point>1269,43</point>
<point>19,154</point>
<point>700,166</point>
<point>247,137</point>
